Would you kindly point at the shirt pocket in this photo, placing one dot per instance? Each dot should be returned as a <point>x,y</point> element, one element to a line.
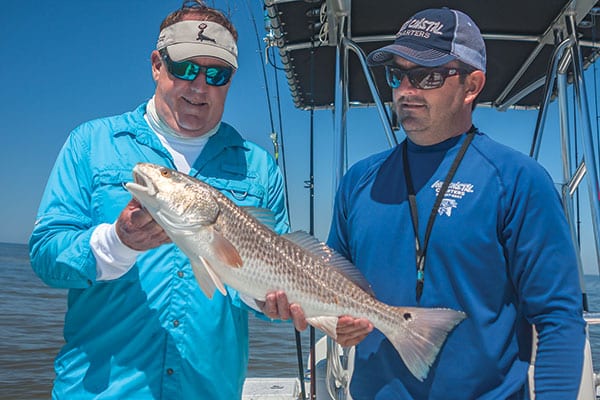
<point>110,196</point>
<point>242,193</point>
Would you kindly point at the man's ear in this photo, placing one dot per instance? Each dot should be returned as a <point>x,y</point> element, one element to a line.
<point>474,85</point>
<point>157,64</point>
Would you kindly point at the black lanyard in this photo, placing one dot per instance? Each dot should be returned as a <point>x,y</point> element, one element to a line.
<point>412,200</point>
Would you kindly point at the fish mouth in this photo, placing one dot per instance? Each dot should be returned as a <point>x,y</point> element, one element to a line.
<point>142,184</point>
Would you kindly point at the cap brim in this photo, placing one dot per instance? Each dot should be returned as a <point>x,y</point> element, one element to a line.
<point>185,51</point>
<point>415,53</point>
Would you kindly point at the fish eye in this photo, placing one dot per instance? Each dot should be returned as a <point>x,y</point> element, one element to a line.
<point>165,172</point>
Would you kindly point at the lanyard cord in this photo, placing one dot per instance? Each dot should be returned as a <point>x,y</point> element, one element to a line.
<point>412,201</point>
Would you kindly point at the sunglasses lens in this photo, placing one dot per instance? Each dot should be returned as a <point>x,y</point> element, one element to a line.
<point>218,76</point>
<point>394,77</point>
<point>420,78</point>
<point>185,70</point>
<point>188,71</point>
<point>424,79</point>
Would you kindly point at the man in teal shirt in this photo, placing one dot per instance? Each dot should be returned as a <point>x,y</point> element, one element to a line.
<point>138,325</point>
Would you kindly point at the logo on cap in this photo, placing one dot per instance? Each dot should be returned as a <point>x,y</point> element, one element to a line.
<point>201,36</point>
<point>420,27</point>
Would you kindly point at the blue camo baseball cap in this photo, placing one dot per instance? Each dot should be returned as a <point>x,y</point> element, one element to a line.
<point>434,37</point>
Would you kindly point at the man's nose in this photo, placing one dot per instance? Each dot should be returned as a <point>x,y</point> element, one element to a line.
<point>199,83</point>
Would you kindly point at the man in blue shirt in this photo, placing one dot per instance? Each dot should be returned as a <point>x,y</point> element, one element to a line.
<point>452,219</point>
<point>138,325</point>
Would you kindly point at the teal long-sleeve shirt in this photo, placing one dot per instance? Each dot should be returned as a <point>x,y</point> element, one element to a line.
<point>151,333</point>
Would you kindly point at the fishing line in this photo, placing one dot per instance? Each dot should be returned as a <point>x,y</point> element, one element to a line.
<point>273,135</point>
<point>269,60</point>
<point>282,141</point>
<point>259,47</point>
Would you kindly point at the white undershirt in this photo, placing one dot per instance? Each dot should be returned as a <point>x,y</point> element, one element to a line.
<point>113,258</point>
<point>184,150</point>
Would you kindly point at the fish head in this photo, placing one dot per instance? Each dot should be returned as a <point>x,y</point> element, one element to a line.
<point>174,199</point>
<point>187,209</point>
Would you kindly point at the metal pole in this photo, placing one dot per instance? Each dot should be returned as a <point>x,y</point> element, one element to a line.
<point>588,141</point>
<point>539,124</point>
<point>385,119</point>
<point>563,111</point>
<point>340,113</point>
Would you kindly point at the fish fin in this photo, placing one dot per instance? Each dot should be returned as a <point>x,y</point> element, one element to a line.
<point>225,252</point>
<point>214,277</point>
<point>264,215</point>
<point>326,324</point>
<point>207,278</point>
<point>329,256</point>
<point>420,334</point>
<point>203,278</point>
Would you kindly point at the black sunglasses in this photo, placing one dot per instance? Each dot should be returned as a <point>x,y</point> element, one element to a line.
<point>188,71</point>
<point>421,77</point>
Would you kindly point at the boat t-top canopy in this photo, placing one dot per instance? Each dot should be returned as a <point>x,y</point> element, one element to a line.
<point>520,38</point>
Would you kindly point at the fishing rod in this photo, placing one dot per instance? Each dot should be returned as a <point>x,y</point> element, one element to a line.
<point>273,134</point>
<point>276,148</point>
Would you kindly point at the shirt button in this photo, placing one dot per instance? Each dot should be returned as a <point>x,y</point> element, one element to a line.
<point>180,274</point>
<point>170,371</point>
<point>176,323</point>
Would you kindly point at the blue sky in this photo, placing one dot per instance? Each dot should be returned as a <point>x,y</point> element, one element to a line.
<point>66,62</point>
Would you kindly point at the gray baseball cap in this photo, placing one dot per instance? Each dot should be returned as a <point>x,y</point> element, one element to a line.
<point>192,38</point>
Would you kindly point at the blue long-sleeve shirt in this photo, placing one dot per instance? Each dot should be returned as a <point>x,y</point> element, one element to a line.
<point>500,250</point>
<point>151,333</point>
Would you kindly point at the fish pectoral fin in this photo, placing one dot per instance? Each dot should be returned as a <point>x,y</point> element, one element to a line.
<point>214,277</point>
<point>326,324</point>
<point>226,252</point>
<point>203,278</point>
<point>207,278</point>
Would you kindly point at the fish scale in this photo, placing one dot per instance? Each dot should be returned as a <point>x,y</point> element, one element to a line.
<point>228,245</point>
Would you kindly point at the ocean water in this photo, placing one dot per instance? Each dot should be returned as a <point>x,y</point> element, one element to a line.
<point>31,332</point>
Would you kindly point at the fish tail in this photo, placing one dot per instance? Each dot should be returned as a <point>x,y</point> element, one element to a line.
<point>420,334</point>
